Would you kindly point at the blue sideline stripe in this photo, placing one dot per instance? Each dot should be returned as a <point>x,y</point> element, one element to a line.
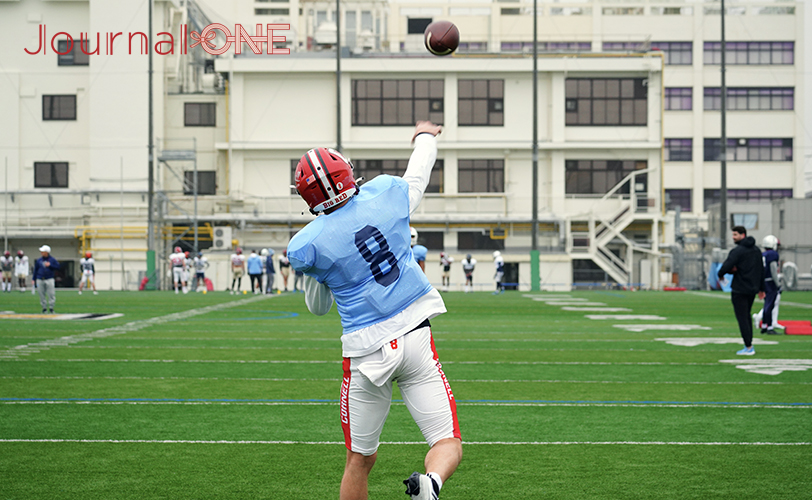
<point>514,401</point>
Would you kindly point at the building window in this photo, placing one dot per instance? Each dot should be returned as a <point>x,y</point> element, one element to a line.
<point>676,53</point>
<point>478,240</point>
<point>200,114</point>
<point>481,176</point>
<point>206,182</point>
<point>570,11</point>
<point>749,220</point>
<point>50,174</point>
<point>678,198</point>
<point>622,11</point>
<point>773,11</point>
<point>480,102</point>
<point>679,98</point>
<point>679,149</point>
<point>603,101</point>
<point>431,240</point>
<point>472,47</point>
<point>625,47</point>
<point>271,12</point>
<point>750,150</point>
<point>599,176</point>
<point>369,169</point>
<point>751,98</point>
<point>554,47</point>
<point>59,107</point>
<point>750,52</point>
<point>397,102</point>
<point>75,57</point>
<point>672,11</point>
<point>417,26</point>
<point>712,196</point>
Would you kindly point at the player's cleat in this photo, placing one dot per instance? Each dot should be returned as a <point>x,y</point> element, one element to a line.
<point>45,311</point>
<point>763,330</point>
<point>80,292</point>
<point>770,331</point>
<point>421,487</point>
<point>95,292</point>
<point>747,351</point>
<point>51,311</point>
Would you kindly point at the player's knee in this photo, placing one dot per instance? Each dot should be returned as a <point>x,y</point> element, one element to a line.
<point>360,461</point>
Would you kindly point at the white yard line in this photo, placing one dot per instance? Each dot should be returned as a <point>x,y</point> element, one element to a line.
<point>133,326</point>
<point>421,443</point>
<point>726,296</point>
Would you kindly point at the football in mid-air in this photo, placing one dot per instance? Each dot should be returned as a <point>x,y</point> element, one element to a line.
<point>442,37</point>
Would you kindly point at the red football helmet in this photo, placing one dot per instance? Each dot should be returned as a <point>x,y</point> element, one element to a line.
<point>186,254</point>
<point>239,251</point>
<point>324,179</point>
<point>88,255</point>
<point>7,253</point>
<point>20,253</point>
<point>177,249</point>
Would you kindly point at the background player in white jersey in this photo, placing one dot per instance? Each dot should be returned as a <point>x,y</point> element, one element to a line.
<point>187,271</point>
<point>468,265</point>
<point>7,267</point>
<point>21,269</point>
<point>284,269</point>
<point>178,261</point>
<point>499,274</point>
<point>237,269</point>
<point>201,263</point>
<point>445,262</point>
<point>419,251</point>
<point>88,267</point>
<point>358,252</point>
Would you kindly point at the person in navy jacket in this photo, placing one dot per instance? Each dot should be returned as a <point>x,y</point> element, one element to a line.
<point>44,269</point>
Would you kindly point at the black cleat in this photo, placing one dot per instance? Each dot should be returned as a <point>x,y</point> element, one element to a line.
<point>421,487</point>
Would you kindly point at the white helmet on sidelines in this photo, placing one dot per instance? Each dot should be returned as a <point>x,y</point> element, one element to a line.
<point>413,232</point>
<point>497,253</point>
<point>264,252</point>
<point>769,241</point>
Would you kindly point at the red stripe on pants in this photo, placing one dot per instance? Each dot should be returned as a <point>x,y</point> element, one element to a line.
<point>451,401</point>
<point>344,405</point>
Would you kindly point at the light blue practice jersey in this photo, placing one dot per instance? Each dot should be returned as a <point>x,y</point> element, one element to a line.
<point>254,264</point>
<point>362,253</point>
<point>419,252</point>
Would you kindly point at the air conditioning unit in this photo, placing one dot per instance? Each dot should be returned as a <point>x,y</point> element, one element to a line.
<point>222,238</point>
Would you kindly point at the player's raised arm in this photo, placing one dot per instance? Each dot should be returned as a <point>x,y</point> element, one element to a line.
<point>418,172</point>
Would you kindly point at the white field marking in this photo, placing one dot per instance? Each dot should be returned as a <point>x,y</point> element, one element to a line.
<point>695,341</point>
<point>597,309</point>
<point>133,326</point>
<point>298,362</point>
<point>727,297</point>
<point>529,404</point>
<point>770,366</point>
<point>643,328</point>
<point>539,381</point>
<point>626,317</point>
<point>420,443</point>
<point>559,299</point>
<point>585,304</point>
<point>545,297</point>
<point>84,316</point>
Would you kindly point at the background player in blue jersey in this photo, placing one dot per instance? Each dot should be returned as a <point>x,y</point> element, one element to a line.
<point>767,317</point>
<point>419,251</point>
<point>357,251</point>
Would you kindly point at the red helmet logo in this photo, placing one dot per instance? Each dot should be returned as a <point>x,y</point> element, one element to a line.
<point>324,179</point>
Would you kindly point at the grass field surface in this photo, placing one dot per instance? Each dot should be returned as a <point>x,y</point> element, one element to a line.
<point>236,397</point>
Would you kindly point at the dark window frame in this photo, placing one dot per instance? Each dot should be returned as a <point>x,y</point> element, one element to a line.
<point>681,197</point>
<point>76,57</point>
<point>676,53</point>
<point>494,175</point>
<point>587,98</point>
<point>52,103</point>
<point>586,177</point>
<point>53,175</point>
<point>750,53</point>
<point>205,178</point>
<point>677,97</point>
<point>712,196</point>
<point>478,240</point>
<point>373,104</point>
<point>678,150</point>
<point>211,112</point>
<point>493,99</point>
<point>750,149</point>
<point>750,98</point>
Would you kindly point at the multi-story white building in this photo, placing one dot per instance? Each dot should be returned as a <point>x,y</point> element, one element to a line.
<point>244,120</point>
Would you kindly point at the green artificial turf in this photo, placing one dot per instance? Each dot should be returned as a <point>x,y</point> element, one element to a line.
<point>241,400</point>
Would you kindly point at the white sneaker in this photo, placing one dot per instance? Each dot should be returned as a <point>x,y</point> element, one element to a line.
<point>421,487</point>
<point>80,292</point>
<point>95,292</point>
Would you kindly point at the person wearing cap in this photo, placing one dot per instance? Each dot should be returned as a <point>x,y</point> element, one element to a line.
<point>44,269</point>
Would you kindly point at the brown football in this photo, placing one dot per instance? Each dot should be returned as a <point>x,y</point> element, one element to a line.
<point>442,38</point>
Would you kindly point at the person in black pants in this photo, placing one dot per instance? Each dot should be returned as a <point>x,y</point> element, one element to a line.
<point>745,263</point>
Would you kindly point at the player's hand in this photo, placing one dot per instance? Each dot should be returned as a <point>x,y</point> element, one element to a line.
<point>422,127</point>
<point>761,295</point>
<point>46,264</point>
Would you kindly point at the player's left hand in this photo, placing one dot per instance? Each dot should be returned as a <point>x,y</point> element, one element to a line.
<point>426,127</point>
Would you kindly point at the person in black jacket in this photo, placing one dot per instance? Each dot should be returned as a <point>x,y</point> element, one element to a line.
<point>745,263</point>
